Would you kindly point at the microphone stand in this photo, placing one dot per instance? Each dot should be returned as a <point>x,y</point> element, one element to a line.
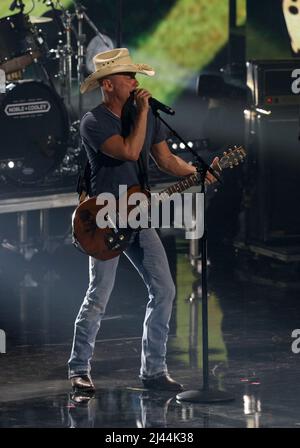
<point>202,165</point>
<point>205,394</point>
<point>81,50</point>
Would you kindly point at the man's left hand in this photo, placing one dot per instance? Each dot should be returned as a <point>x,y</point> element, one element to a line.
<point>209,178</point>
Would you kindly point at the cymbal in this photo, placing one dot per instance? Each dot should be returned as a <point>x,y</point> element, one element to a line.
<point>35,19</point>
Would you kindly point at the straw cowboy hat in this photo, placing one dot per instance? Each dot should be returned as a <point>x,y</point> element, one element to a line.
<point>113,61</point>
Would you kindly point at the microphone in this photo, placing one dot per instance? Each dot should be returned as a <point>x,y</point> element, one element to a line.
<point>157,105</point>
<point>14,5</point>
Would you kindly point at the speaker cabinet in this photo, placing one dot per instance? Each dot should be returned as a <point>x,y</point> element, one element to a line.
<point>272,174</point>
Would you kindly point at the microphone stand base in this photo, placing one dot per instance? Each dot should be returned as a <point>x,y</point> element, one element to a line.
<point>204,396</point>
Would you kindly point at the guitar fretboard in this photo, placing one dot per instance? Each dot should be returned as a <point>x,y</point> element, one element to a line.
<point>179,187</point>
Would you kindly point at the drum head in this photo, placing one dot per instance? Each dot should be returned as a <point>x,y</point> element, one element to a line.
<point>34,132</point>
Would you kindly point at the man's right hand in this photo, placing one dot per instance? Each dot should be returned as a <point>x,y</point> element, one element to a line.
<point>142,100</point>
<point>129,148</point>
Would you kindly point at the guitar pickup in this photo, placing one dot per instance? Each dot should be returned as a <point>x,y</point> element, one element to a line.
<point>114,242</point>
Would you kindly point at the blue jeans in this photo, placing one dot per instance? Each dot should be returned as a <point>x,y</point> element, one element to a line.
<point>148,256</point>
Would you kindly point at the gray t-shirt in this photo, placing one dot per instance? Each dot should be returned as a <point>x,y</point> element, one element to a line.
<point>107,172</point>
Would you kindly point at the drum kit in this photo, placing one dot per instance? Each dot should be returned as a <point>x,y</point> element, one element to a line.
<point>43,61</point>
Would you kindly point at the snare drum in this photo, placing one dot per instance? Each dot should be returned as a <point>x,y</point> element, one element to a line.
<point>18,44</point>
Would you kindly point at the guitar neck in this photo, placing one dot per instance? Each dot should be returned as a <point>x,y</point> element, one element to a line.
<point>182,185</point>
<point>230,159</point>
<point>179,187</point>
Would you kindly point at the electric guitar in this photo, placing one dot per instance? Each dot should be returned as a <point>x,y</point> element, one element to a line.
<point>113,236</point>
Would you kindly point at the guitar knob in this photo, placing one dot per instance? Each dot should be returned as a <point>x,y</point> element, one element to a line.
<point>121,237</point>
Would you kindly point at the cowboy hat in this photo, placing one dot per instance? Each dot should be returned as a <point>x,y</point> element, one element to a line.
<point>113,61</point>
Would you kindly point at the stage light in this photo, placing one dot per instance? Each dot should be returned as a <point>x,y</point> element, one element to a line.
<point>174,146</point>
<point>190,144</point>
<point>182,146</point>
<point>11,164</point>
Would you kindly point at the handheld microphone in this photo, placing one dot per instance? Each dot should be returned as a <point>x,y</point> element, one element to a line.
<point>157,105</point>
<point>13,5</point>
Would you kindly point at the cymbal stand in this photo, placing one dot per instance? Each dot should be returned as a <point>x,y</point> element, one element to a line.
<point>81,51</point>
<point>66,59</point>
<point>64,51</point>
<point>81,45</point>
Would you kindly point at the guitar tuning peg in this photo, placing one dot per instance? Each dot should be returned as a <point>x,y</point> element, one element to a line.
<point>224,153</point>
<point>236,162</point>
<point>230,165</point>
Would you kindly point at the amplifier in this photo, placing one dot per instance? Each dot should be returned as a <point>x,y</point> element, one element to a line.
<point>272,184</point>
<point>270,82</point>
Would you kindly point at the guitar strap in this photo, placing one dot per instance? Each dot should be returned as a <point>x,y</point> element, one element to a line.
<point>84,178</point>
<point>143,171</point>
<point>128,118</point>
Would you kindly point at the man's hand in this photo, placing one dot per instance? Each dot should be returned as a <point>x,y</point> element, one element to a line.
<point>209,178</point>
<point>142,100</point>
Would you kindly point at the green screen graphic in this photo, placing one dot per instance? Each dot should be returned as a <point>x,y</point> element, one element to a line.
<point>179,38</point>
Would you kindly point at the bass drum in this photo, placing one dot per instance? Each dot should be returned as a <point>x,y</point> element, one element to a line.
<point>34,129</point>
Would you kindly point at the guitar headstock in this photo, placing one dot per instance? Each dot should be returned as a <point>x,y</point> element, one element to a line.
<point>233,157</point>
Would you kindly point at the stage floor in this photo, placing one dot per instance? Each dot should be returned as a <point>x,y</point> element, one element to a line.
<point>252,313</point>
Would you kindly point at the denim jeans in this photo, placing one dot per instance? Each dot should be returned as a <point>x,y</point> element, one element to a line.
<point>148,256</point>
